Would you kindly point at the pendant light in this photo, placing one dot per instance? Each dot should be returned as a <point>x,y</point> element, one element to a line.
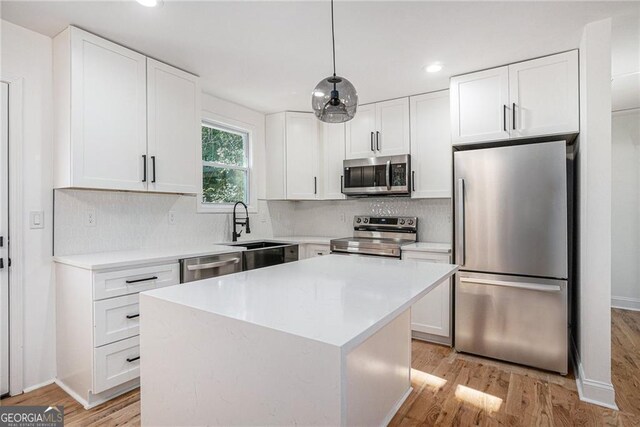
<point>334,100</point>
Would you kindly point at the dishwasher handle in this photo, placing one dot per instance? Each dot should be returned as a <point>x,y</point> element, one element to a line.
<point>211,265</point>
<point>524,286</point>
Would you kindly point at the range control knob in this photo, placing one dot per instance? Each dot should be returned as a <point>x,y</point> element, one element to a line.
<point>402,222</point>
<point>410,222</point>
<point>366,220</point>
<point>358,220</point>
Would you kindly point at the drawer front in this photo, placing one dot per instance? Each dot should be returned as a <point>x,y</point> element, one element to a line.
<point>115,364</point>
<point>115,319</point>
<point>110,284</point>
<point>315,250</point>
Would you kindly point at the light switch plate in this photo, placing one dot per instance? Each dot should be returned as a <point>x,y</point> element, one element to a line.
<point>171,218</point>
<point>90,218</point>
<point>36,219</point>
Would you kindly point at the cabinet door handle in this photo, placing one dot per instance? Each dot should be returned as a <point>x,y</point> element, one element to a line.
<point>372,149</point>
<point>146,279</point>
<point>315,185</point>
<point>133,316</point>
<point>377,140</point>
<point>153,164</point>
<point>504,118</point>
<point>413,180</point>
<point>341,183</point>
<point>514,116</point>
<point>144,168</point>
<point>132,359</point>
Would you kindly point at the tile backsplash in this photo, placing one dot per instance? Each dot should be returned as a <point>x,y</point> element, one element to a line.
<point>125,221</point>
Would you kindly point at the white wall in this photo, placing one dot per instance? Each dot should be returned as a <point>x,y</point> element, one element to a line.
<point>27,55</point>
<point>594,216</point>
<point>625,209</point>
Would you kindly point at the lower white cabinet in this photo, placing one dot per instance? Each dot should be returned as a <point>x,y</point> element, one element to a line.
<point>97,324</point>
<point>431,316</point>
<point>312,250</point>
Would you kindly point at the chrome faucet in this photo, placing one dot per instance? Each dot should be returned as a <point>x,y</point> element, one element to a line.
<point>240,221</point>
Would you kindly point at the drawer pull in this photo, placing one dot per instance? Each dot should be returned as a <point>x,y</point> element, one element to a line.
<point>132,359</point>
<point>146,279</point>
<point>133,316</point>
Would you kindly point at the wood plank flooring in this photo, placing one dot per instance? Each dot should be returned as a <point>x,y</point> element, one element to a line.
<point>451,389</point>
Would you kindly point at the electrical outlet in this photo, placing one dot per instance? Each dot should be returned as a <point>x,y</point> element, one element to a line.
<point>172,218</point>
<point>90,218</point>
<point>36,219</point>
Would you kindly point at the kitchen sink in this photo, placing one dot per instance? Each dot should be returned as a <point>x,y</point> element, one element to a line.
<point>265,254</point>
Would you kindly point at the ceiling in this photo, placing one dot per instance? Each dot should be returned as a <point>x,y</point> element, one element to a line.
<point>269,55</point>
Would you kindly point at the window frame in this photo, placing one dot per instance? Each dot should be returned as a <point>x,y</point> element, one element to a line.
<point>229,125</point>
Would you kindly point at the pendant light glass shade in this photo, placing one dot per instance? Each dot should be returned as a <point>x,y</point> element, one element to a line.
<point>334,100</point>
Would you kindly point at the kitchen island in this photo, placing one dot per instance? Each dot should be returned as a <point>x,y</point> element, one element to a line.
<point>324,341</point>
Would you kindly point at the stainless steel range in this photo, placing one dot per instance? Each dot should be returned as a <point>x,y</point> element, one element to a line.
<point>378,236</point>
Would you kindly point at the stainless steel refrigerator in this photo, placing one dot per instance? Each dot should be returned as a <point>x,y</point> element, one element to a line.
<point>512,242</point>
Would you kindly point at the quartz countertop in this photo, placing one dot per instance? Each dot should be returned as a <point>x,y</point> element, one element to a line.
<point>120,259</point>
<point>427,247</point>
<point>334,299</point>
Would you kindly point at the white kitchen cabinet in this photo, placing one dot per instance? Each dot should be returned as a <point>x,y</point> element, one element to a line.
<point>479,106</point>
<point>122,119</point>
<point>313,250</point>
<point>431,315</point>
<point>544,96</point>
<point>173,122</point>
<point>431,157</point>
<point>302,156</point>
<point>360,133</point>
<point>275,157</point>
<point>97,324</point>
<point>527,99</point>
<point>100,113</point>
<point>380,129</point>
<point>333,152</point>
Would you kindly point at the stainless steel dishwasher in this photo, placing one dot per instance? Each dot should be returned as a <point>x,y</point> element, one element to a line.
<point>204,267</point>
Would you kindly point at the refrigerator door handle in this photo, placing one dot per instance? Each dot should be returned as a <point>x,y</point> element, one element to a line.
<point>524,286</point>
<point>460,255</point>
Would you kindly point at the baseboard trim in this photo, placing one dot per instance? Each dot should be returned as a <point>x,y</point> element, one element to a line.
<point>591,391</point>
<point>37,386</point>
<point>625,303</point>
<point>72,393</point>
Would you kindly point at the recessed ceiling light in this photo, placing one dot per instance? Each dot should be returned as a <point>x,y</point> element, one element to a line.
<point>150,3</point>
<point>434,68</point>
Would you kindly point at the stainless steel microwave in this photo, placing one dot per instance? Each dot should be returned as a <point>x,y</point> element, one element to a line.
<point>377,176</point>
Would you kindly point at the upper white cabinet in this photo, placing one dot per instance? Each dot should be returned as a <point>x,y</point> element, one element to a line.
<point>100,113</point>
<point>431,156</point>
<point>332,136</point>
<point>544,95</point>
<point>173,120</point>
<point>526,99</point>
<point>380,129</point>
<point>292,156</point>
<point>479,106</point>
<point>115,115</point>
<point>302,156</point>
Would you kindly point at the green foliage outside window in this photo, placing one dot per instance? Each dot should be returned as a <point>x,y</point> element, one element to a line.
<point>225,173</point>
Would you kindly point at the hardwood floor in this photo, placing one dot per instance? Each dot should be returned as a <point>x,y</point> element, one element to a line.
<point>451,389</point>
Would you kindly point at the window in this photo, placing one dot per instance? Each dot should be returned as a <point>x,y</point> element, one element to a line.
<point>225,165</point>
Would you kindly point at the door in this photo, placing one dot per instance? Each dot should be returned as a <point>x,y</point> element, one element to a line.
<point>432,313</point>
<point>511,210</point>
<point>544,95</point>
<point>174,120</point>
<point>521,320</point>
<point>333,150</point>
<point>302,156</point>
<point>431,158</point>
<point>479,106</point>
<point>108,114</point>
<point>4,239</point>
<point>360,133</point>
<point>392,127</point>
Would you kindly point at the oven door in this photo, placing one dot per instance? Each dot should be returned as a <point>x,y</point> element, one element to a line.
<point>388,175</point>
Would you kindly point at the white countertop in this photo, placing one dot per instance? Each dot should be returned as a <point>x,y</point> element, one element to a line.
<point>427,247</point>
<point>117,259</point>
<point>334,299</point>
